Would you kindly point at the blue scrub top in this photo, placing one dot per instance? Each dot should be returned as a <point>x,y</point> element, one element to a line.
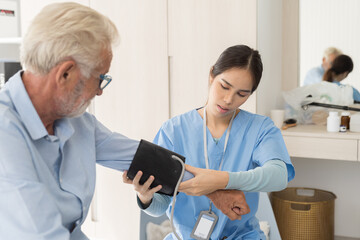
<point>253,141</point>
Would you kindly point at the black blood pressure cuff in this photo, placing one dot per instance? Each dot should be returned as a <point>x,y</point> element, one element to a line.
<point>154,160</point>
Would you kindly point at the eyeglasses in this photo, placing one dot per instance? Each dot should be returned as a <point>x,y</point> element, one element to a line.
<point>104,81</point>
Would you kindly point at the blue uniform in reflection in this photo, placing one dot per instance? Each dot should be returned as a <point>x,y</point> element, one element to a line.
<point>253,141</point>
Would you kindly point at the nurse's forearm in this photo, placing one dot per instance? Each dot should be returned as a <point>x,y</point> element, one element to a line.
<point>270,177</point>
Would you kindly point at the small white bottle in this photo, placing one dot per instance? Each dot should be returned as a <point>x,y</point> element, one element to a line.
<point>333,122</point>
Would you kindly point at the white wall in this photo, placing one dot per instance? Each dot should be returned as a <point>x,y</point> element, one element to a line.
<point>199,31</point>
<point>325,23</point>
<point>29,9</point>
<point>134,104</point>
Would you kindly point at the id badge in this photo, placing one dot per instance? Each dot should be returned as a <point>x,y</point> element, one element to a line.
<point>204,226</point>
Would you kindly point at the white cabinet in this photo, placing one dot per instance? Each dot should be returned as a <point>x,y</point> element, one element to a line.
<point>10,29</point>
<point>313,151</point>
<point>30,8</point>
<point>134,104</point>
<point>313,141</point>
<point>199,30</point>
<point>10,45</point>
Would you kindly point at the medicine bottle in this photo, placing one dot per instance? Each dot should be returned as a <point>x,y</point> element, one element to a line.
<point>345,120</point>
<point>333,122</point>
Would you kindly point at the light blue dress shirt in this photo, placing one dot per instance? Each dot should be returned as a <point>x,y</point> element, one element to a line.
<point>314,75</point>
<point>47,181</point>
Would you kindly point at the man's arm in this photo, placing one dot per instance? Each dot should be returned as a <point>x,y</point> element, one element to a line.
<point>231,202</point>
<point>28,212</point>
<point>113,150</point>
<point>27,209</point>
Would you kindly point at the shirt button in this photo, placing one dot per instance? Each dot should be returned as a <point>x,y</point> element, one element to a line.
<point>60,180</point>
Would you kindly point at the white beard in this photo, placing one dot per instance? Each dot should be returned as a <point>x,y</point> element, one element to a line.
<point>67,105</point>
<point>80,110</point>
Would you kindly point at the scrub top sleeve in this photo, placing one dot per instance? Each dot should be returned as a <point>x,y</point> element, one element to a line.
<point>270,145</point>
<point>158,205</point>
<point>113,150</point>
<point>356,95</point>
<point>163,140</point>
<point>270,177</point>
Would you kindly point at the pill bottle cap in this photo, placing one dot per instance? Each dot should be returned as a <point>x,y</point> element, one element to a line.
<point>333,114</point>
<point>345,113</point>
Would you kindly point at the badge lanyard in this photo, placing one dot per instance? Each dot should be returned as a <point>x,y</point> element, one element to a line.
<point>225,144</point>
<point>203,231</point>
<point>205,139</point>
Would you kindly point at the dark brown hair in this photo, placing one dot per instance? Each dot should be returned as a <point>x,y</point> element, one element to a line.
<point>243,57</point>
<point>341,64</point>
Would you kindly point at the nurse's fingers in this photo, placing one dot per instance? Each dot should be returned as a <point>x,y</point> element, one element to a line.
<point>155,189</point>
<point>148,182</point>
<point>126,179</point>
<point>185,185</point>
<point>145,188</point>
<point>137,177</point>
<point>191,169</point>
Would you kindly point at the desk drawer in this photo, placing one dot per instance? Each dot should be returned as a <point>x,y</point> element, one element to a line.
<point>312,147</point>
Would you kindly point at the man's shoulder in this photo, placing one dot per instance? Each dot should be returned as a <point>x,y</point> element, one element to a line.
<point>314,75</point>
<point>7,109</point>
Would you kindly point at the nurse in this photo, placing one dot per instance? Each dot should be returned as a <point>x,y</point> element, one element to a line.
<point>341,68</point>
<point>225,148</point>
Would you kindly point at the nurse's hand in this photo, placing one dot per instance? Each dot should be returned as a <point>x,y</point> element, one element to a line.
<point>205,181</point>
<point>144,192</point>
<point>230,202</point>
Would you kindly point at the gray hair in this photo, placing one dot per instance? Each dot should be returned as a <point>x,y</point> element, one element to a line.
<point>63,31</point>
<point>331,50</point>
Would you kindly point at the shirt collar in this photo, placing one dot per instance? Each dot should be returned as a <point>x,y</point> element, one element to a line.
<point>63,129</point>
<point>25,108</point>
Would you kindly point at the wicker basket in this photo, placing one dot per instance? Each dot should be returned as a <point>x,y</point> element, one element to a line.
<point>304,213</point>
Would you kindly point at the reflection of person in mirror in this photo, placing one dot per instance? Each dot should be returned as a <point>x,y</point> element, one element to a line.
<point>315,75</point>
<point>342,66</point>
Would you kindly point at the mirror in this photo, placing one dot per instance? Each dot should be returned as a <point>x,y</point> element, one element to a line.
<point>329,23</point>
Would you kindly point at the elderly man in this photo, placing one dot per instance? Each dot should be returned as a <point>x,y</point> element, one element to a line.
<point>315,75</point>
<point>49,145</point>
